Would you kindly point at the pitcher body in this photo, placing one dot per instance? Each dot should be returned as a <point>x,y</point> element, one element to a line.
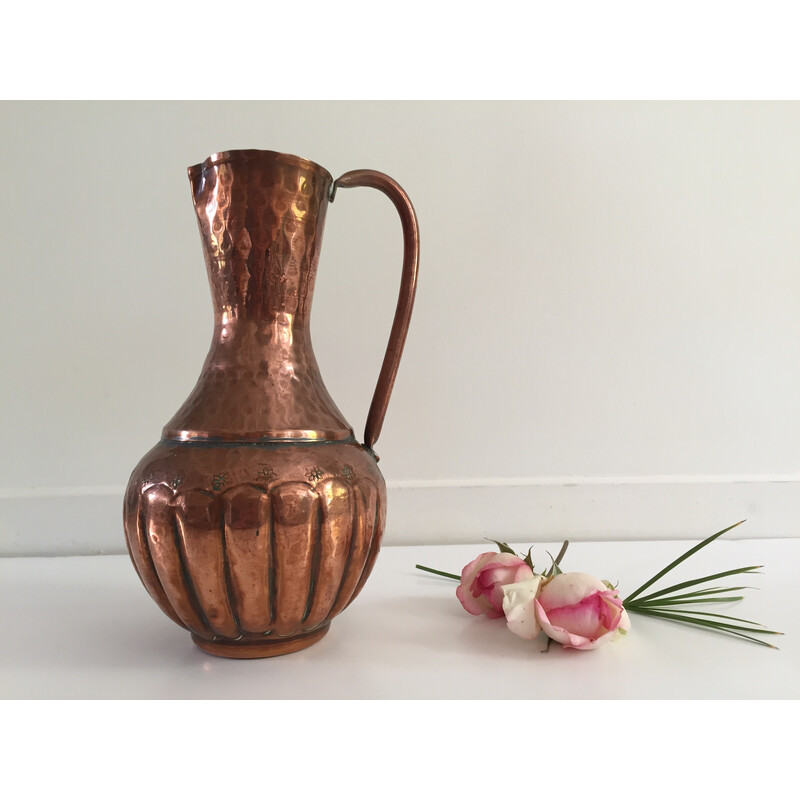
<point>258,516</point>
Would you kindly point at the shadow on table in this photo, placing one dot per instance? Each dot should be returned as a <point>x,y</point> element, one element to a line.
<point>425,627</point>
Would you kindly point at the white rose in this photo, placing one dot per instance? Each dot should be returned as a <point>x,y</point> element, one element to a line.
<point>519,607</point>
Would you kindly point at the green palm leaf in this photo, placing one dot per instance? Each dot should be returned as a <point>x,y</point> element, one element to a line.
<point>734,630</point>
<point>680,560</point>
<point>689,600</point>
<point>704,592</point>
<point>686,584</point>
<point>693,612</point>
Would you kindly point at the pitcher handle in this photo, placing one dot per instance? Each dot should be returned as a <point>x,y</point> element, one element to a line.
<point>408,288</point>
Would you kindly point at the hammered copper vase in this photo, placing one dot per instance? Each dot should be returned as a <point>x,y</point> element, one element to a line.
<point>258,516</point>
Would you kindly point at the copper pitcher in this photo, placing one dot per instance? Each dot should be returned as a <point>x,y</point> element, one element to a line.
<point>258,516</point>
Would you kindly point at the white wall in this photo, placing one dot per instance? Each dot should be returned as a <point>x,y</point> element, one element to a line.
<point>609,298</point>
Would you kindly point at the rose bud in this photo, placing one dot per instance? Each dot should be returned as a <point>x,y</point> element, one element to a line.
<point>482,582</point>
<point>580,611</point>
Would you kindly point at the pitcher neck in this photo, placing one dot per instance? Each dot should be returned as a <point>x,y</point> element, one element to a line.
<point>261,216</point>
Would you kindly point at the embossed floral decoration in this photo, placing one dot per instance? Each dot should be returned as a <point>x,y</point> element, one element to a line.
<point>314,474</point>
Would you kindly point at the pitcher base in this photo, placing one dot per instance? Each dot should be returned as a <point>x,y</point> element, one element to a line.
<point>247,648</point>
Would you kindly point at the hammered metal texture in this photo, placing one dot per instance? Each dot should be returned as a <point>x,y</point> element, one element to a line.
<point>261,218</point>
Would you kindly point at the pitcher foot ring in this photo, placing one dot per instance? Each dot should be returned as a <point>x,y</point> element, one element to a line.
<point>248,648</point>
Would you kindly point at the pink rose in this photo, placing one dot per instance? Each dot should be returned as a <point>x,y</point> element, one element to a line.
<point>482,582</point>
<point>580,611</point>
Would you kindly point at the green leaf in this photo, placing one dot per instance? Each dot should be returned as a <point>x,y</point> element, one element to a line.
<point>504,548</point>
<point>439,572</point>
<point>703,592</point>
<point>528,559</point>
<point>686,584</point>
<point>692,612</point>
<point>680,560</point>
<point>554,569</point>
<point>704,623</point>
<point>670,601</point>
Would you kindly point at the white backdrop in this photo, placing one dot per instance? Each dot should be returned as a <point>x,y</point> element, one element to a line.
<point>605,342</point>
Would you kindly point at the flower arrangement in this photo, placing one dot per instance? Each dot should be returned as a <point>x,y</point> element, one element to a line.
<point>581,612</point>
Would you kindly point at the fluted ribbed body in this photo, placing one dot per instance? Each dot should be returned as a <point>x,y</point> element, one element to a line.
<point>255,544</point>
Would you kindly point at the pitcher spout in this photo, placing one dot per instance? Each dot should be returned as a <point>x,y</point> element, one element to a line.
<point>196,181</point>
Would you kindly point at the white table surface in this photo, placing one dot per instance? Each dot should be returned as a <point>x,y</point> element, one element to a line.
<point>84,628</point>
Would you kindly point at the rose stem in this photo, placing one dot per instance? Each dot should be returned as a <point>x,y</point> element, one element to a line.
<point>439,572</point>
